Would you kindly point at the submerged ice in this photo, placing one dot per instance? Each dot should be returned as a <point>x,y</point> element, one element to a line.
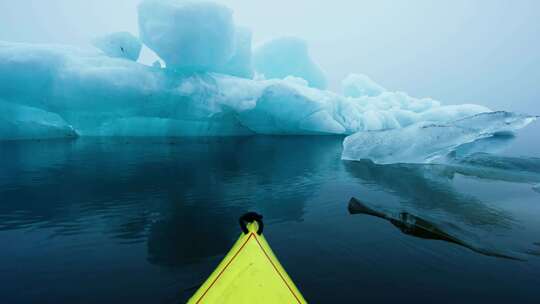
<point>429,229</point>
<point>426,201</point>
<point>212,84</point>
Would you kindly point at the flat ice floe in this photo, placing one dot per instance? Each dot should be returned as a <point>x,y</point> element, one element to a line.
<point>427,142</point>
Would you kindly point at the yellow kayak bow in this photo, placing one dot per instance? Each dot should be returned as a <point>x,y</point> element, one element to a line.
<point>249,273</point>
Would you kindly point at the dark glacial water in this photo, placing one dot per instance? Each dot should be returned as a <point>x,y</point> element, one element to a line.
<point>147,220</point>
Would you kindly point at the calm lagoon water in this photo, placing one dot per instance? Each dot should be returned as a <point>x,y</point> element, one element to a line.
<point>147,220</point>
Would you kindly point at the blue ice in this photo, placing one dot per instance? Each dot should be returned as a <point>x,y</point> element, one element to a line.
<point>288,56</point>
<point>212,85</point>
<point>119,45</point>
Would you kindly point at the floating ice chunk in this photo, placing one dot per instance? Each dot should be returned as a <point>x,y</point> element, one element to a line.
<point>119,45</point>
<point>500,122</point>
<point>358,85</point>
<point>188,35</point>
<point>424,142</point>
<point>21,122</point>
<point>156,64</point>
<point>288,56</point>
<point>240,64</point>
<point>537,188</point>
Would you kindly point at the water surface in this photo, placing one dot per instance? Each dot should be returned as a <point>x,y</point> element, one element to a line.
<point>146,221</point>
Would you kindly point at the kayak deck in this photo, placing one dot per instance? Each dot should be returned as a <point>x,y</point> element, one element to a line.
<point>249,273</point>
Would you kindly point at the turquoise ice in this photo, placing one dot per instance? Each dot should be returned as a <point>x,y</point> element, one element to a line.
<point>119,45</point>
<point>188,35</point>
<point>288,56</point>
<point>213,84</point>
<point>102,96</point>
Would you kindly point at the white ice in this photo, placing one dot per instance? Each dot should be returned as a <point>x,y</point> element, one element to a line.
<point>427,142</point>
<point>358,85</point>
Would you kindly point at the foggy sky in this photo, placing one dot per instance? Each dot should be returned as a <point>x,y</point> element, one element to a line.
<point>459,51</point>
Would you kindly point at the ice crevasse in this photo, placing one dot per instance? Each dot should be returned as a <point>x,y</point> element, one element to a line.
<point>206,89</point>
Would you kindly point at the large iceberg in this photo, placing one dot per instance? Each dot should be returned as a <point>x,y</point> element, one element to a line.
<point>205,89</point>
<point>426,141</point>
<point>119,45</point>
<point>102,96</point>
<point>288,56</point>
